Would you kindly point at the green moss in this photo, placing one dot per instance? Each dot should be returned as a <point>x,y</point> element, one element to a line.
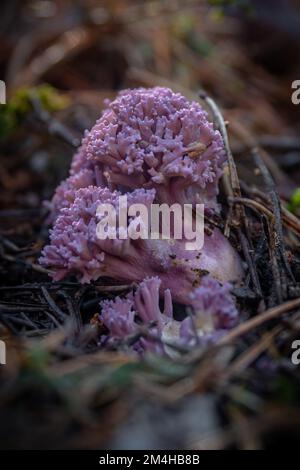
<point>294,203</point>
<point>20,104</point>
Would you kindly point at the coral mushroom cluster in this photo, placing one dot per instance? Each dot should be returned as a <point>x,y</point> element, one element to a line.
<point>154,146</point>
<point>213,313</point>
<point>150,138</point>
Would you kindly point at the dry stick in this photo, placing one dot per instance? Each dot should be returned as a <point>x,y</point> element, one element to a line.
<point>10,245</point>
<point>255,205</point>
<point>250,263</point>
<point>239,218</point>
<point>268,230</point>
<point>73,310</point>
<point>54,320</point>
<point>234,179</point>
<point>33,266</point>
<point>29,320</point>
<point>9,324</point>
<point>259,320</point>
<point>248,251</point>
<point>61,315</point>
<point>70,285</point>
<point>69,44</point>
<point>276,250</point>
<point>114,288</point>
<point>17,308</point>
<point>277,230</point>
<point>260,208</point>
<point>289,219</point>
<point>54,127</point>
<point>37,332</point>
<point>36,286</point>
<point>18,321</point>
<point>23,304</point>
<point>252,353</point>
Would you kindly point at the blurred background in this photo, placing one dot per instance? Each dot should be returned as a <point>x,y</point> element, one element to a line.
<point>245,53</point>
<point>60,60</point>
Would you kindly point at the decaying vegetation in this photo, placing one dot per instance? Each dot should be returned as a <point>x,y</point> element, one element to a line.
<point>244,391</point>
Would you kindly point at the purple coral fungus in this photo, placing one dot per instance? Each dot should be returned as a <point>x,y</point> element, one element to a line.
<point>154,146</point>
<point>123,316</point>
<point>151,138</point>
<point>75,249</point>
<point>214,312</point>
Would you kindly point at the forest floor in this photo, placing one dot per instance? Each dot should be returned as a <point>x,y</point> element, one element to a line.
<point>58,382</point>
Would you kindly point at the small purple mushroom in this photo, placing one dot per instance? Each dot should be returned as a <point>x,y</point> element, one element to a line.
<point>214,312</point>
<point>123,316</point>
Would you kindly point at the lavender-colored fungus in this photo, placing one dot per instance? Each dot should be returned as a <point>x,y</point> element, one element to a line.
<point>154,146</point>
<point>151,138</point>
<point>75,249</point>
